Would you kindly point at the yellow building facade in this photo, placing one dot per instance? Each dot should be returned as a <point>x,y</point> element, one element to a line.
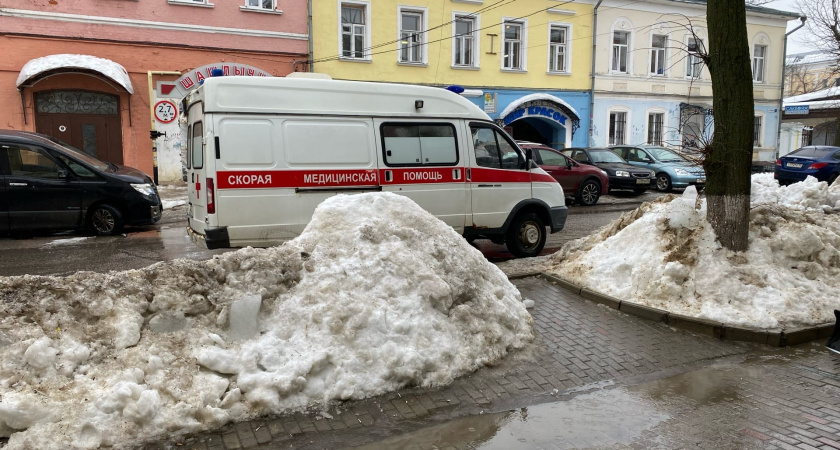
<point>526,62</point>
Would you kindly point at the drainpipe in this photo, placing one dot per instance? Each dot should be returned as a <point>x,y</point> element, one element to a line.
<point>152,116</point>
<point>782,88</point>
<point>311,56</point>
<point>592,72</point>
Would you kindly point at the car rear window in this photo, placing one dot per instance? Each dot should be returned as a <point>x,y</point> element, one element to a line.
<point>818,152</point>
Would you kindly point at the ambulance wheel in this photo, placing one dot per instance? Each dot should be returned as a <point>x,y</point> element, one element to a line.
<point>105,220</point>
<point>526,236</point>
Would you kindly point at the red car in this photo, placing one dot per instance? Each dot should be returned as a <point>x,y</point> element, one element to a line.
<point>584,182</point>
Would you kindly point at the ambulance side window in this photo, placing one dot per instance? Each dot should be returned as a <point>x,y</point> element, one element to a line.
<point>413,144</point>
<point>195,145</point>
<point>493,149</point>
<point>189,147</point>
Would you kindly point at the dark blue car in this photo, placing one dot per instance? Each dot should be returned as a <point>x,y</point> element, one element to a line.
<point>819,161</point>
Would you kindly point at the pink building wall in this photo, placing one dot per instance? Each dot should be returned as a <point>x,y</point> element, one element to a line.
<point>170,40</point>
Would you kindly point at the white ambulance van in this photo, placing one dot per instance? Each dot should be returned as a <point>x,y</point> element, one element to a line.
<point>264,152</point>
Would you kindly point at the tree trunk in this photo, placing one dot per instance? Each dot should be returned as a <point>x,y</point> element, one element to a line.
<point>730,153</point>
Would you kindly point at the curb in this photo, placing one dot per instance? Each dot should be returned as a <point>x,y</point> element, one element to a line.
<point>718,330</point>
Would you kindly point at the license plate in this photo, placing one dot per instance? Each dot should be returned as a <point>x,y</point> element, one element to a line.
<point>794,165</point>
<point>701,180</point>
<point>643,181</point>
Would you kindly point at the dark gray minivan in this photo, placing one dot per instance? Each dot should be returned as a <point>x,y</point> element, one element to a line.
<point>47,185</point>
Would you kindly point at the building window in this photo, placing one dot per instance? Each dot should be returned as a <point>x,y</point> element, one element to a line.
<point>757,132</point>
<point>558,49</point>
<point>693,63</point>
<point>618,120</point>
<point>260,4</point>
<point>655,121</point>
<point>619,51</point>
<point>758,63</point>
<point>657,54</point>
<point>353,31</point>
<point>464,41</point>
<point>512,52</point>
<point>411,36</point>
<point>807,134</point>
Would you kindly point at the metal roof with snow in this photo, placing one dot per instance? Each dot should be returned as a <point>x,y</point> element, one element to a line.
<point>37,67</point>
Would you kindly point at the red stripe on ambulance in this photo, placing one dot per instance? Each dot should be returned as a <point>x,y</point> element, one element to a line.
<point>261,179</point>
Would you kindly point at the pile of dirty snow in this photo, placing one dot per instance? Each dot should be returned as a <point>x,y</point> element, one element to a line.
<point>665,255</point>
<point>375,295</point>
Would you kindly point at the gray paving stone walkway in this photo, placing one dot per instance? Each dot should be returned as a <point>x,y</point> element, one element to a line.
<point>715,394</point>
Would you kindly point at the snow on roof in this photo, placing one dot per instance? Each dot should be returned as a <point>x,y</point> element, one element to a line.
<point>106,67</point>
<point>833,91</point>
<point>666,255</point>
<point>533,97</point>
<point>374,295</point>
<point>815,57</point>
<point>817,104</point>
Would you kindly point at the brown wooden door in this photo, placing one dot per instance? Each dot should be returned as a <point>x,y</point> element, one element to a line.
<point>98,134</point>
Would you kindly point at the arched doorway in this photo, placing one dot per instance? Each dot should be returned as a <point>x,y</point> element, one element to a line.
<point>79,99</point>
<point>541,118</point>
<point>89,121</point>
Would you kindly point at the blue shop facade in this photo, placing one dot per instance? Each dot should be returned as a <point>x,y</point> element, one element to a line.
<point>557,119</point>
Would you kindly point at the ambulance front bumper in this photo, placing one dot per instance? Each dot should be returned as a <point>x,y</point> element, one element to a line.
<point>558,216</point>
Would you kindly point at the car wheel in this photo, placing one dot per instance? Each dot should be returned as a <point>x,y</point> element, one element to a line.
<point>526,236</point>
<point>833,179</point>
<point>639,191</point>
<point>589,193</point>
<point>106,220</point>
<point>663,182</point>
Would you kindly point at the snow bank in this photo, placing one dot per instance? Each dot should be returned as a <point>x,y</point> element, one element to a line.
<point>665,255</point>
<point>170,204</point>
<point>375,295</point>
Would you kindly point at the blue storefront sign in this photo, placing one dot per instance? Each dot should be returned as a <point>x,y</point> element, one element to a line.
<point>548,113</point>
<point>798,109</point>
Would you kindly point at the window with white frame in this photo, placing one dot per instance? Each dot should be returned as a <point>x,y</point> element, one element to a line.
<point>618,125</point>
<point>412,36</point>
<point>759,53</point>
<point>558,49</point>
<point>463,44</point>
<point>512,51</point>
<point>353,31</point>
<point>694,63</point>
<point>757,132</point>
<point>619,51</point>
<point>260,4</point>
<point>658,43</point>
<point>655,122</point>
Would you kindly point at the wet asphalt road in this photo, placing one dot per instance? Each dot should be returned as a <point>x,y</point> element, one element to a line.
<point>66,253</point>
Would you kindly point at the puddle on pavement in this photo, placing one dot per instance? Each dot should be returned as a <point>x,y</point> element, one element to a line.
<point>704,386</point>
<point>597,419</point>
<point>602,418</point>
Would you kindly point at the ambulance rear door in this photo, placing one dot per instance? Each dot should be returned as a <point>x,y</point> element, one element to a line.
<point>197,168</point>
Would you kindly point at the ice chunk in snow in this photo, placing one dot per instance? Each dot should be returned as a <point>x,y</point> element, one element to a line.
<point>168,322</point>
<point>244,317</point>
<point>41,354</point>
<point>682,213</point>
<point>528,303</point>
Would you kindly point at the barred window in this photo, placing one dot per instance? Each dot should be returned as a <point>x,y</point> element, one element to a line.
<point>618,120</point>
<point>655,128</point>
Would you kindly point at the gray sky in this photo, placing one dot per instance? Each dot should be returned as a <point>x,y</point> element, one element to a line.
<point>796,41</point>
